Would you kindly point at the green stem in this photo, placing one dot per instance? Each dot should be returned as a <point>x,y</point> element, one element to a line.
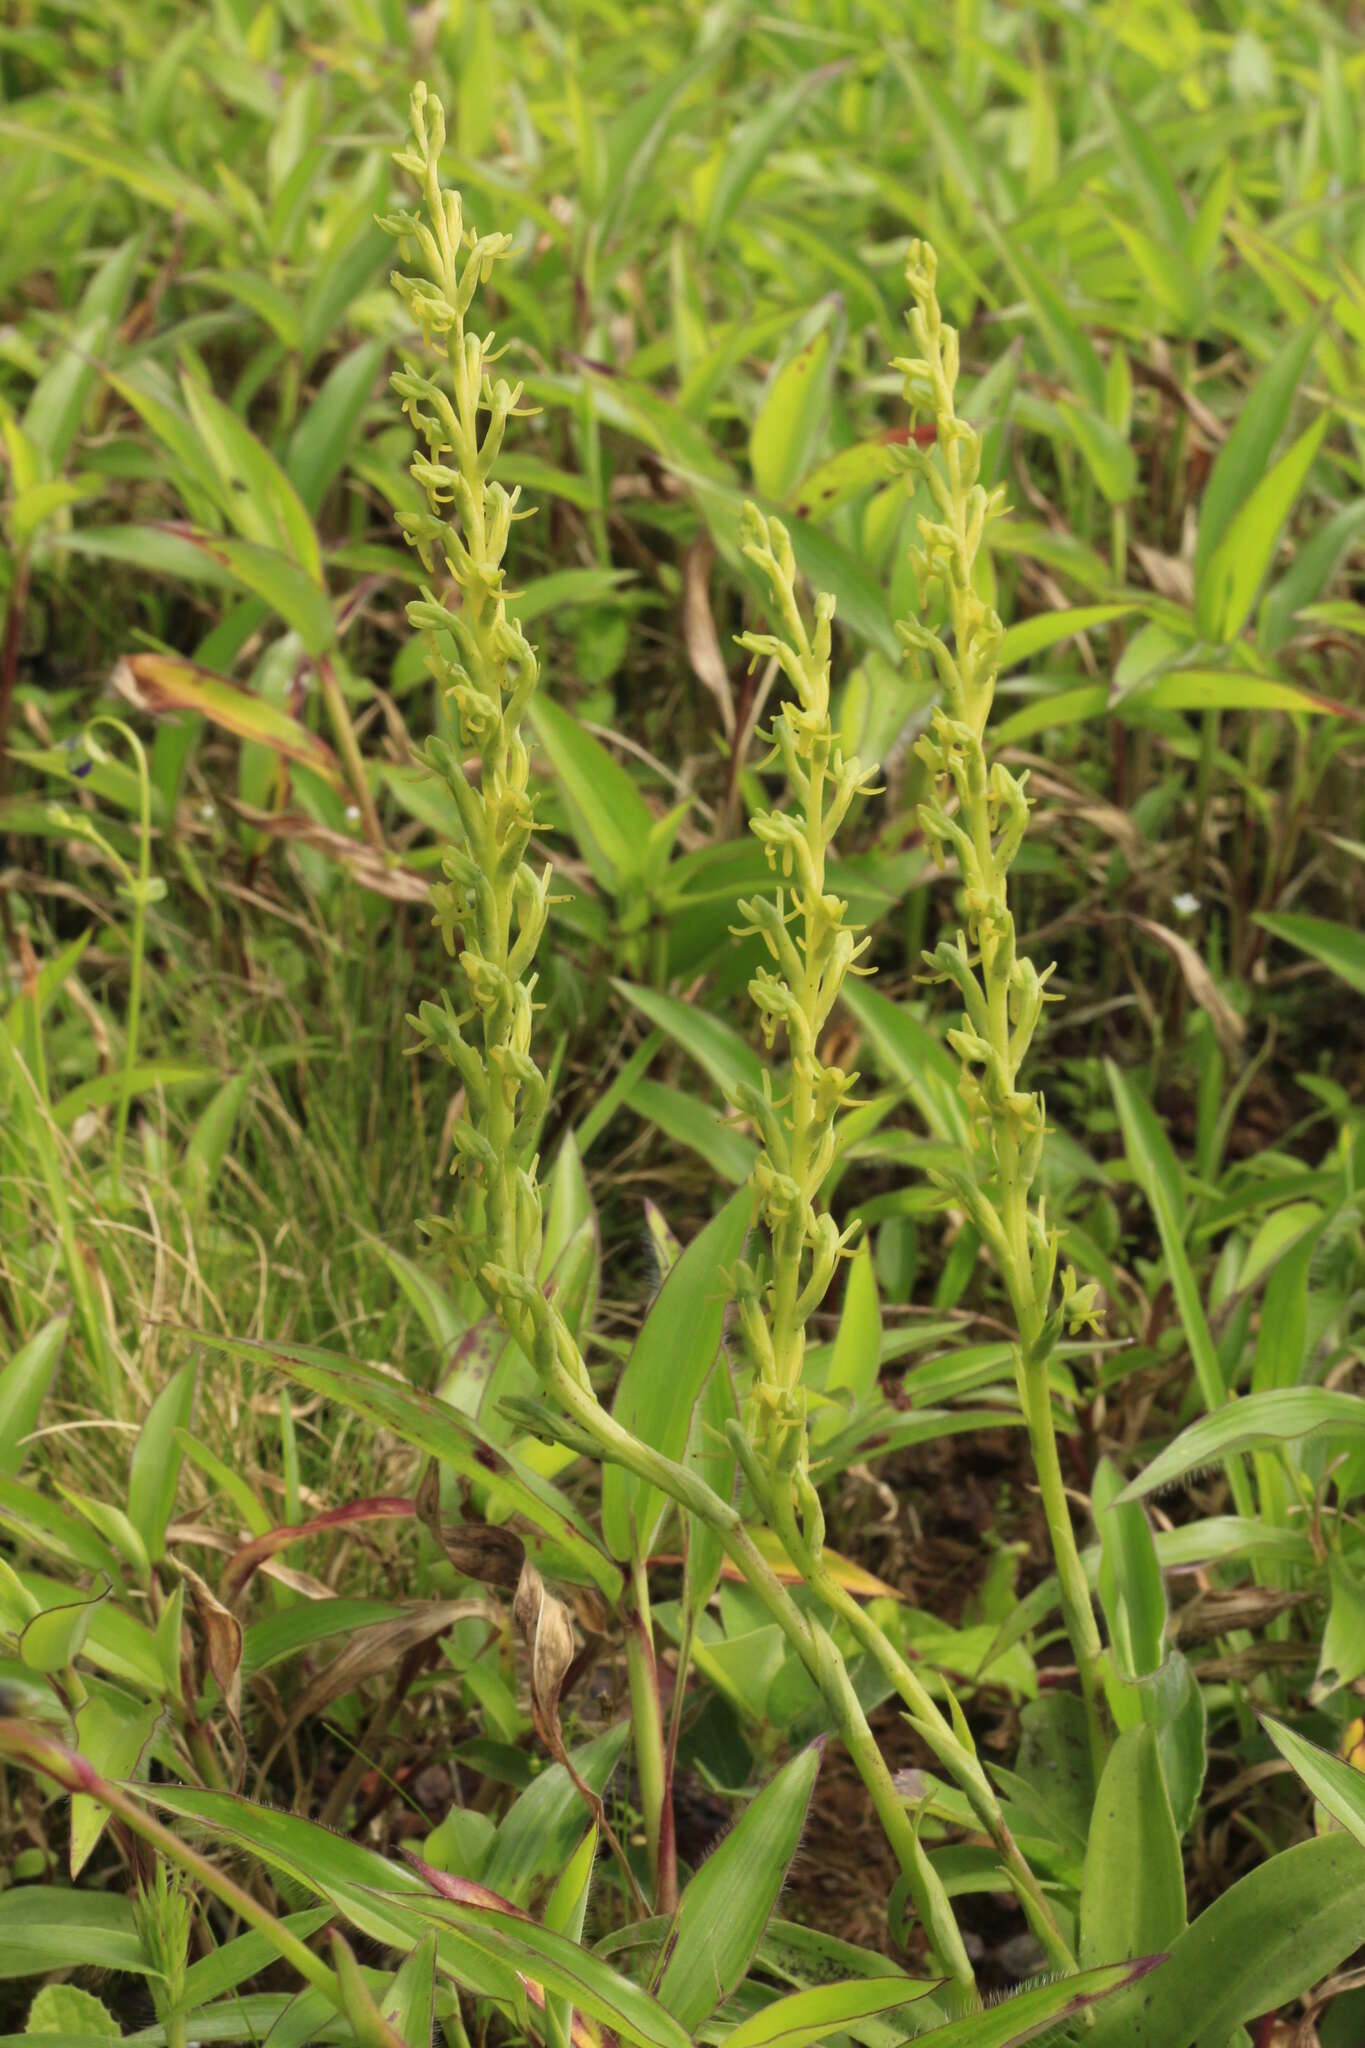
<point>820,1657</point>
<point>344,732</point>
<point>647,1723</point>
<point>827,1668</point>
<point>36,1750</point>
<point>1078,1610</point>
<point>140,892</point>
<point>947,1747</point>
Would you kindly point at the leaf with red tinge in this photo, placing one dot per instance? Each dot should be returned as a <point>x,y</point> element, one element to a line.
<point>159,683</point>
<point>244,1563</point>
<point>552,1962</point>
<point>465,1892</point>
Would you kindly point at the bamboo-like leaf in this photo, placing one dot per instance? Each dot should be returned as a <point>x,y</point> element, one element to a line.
<point>45,1926</point>
<point>24,1385</point>
<point>716,1047</point>
<point>1337,946</point>
<point>1333,1782</point>
<point>1030,2013</point>
<point>1278,1415</point>
<point>792,412</point>
<point>609,818</point>
<point>804,2017</point>
<point>1238,565</point>
<point>154,1473</point>
<point>1242,460</point>
<point>559,1965</point>
<point>1280,1929</point>
<point>667,1369</point>
<point>1125,1915</point>
<point>724,1910</point>
<point>55,1636</point>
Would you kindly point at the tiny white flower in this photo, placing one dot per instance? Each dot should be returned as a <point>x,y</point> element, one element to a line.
<point>208,812</point>
<point>1185,904</point>
<point>352,814</point>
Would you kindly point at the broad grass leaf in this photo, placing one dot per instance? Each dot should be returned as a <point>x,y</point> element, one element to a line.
<point>437,1313</point>
<point>77,2016</point>
<point>667,1369</point>
<point>206,1149</point>
<point>30,1514</point>
<point>843,477</point>
<point>296,597</point>
<point>322,439</point>
<point>609,819</point>
<point>1148,172</point>
<point>1066,341</point>
<point>161,184</point>
<point>259,293</point>
<point>910,1053</point>
<point>24,1385</point>
<point>42,1926</point>
<point>565,1912</point>
<point>1307,575</point>
<point>746,148</point>
<point>537,1837</point>
<point>409,2004</point>
<point>1338,946</point>
<point>1279,1415</point>
<point>57,401</point>
<point>376,1896</point>
<point>857,1341</point>
<point>1333,1782</point>
<point>260,500</point>
<point>637,134</point>
<point>1132,1591</point>
<point>1341,1655</point>
<point>1133,1886</point>
<point>1280,1929</point>
<point>792,413</point>
<point>1158,1175</point>
<point>1027,2014</point>
<point>715,1045</point>
<point>1047,629</point>
<point>1225,689</point>
<point>368,2028</point>
<point>116,1642</point>
<point>681,1117</point>
<point>1239,564</point>
<point>559,1965</point>
<point>1106,452</point>
<point>356,256</point>
<point>154,1473</point>
<point>726,1906</point>
<point>55,1636</point>
<point>102,1089</point>
<point>1241,463</point>
<point>805,2017</point>
<point>112,1733</point>
<point>153,550</point>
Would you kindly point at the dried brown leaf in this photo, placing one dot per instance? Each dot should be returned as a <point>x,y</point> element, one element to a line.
<point>244,1563</point>
<point>1229,1028</point>
<point>699,631</point>
<point>222,1633</point>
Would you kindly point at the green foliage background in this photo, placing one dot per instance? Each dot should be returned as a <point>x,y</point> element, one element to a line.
<point>1150,226</point>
